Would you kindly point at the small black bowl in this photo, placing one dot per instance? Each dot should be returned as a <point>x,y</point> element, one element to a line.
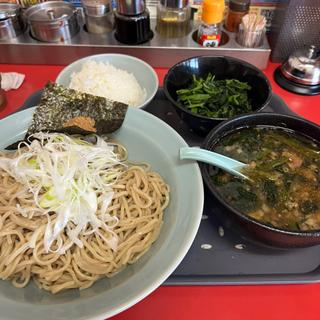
<point>265,233</point>
<point>180,76</point>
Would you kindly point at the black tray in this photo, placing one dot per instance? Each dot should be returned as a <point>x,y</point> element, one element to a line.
<point>233,258</point>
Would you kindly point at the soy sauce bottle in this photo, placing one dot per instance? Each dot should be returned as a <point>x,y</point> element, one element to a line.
<point>132,22</point>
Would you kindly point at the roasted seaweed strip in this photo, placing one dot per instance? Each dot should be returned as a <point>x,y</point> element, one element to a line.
<point>66,110</point>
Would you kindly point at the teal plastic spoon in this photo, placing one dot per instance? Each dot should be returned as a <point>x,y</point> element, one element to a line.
<point>225,163</point>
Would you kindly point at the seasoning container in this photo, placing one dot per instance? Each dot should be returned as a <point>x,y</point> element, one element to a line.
<point>53,21</point>
<point>173,18</point>
<point>11,21</point>
<point>209,32</point>
<point>132,22</point>
<point>98,16</point>
<point>237,9</point>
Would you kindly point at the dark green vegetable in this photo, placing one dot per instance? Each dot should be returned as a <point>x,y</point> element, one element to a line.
<point>271,192</point>
<point>273,164</point>
<point>216,98</point>
<point>240,195</point>
<point>304,149</point>
<point>308,206</point>
<point>247,201</point>
<point>288,179</point>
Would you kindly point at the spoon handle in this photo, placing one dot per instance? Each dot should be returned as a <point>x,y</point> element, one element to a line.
<point>230,165</point>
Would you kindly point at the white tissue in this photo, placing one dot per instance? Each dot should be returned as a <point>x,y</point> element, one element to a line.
<point>11,80</point>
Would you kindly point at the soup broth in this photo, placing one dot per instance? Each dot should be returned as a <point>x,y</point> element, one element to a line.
<point>284,177</point>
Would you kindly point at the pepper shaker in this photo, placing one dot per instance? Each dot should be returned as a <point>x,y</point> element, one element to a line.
<point>132,22</point>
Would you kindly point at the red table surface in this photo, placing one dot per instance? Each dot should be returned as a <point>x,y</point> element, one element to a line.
<point>261,302</point>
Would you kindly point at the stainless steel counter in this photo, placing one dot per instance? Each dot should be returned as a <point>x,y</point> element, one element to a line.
<point>159,52</point>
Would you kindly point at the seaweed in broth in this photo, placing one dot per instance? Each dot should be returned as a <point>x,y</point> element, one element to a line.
<point>284,172</point>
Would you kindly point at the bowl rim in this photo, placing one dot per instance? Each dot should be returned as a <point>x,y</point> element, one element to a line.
<point>203,167</point>
<point>165,272</point>
<point>247,64</point>
<point>119,55</point>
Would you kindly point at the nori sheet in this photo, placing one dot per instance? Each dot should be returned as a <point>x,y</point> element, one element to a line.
<point>59,105</point>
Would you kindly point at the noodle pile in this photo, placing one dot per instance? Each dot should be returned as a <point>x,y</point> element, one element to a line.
<point>139,199</point>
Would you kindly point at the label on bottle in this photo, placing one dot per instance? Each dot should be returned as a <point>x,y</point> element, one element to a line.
<point>210,41</point>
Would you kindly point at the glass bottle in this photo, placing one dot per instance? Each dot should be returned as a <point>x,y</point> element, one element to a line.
<point>209,31</point>
<point>173,18</point>
<point>237,9</point>
<point>132,22</point>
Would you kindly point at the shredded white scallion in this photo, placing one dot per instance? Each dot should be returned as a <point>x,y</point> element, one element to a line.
<point>71,177</point>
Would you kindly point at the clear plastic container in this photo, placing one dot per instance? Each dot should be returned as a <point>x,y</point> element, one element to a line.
<point>173,18</point>
<point>250,38</point>
<point>209,35</point>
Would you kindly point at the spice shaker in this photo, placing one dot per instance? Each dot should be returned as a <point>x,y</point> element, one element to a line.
<point>132,22</point>
<point>237,9</point>
<point>98,15</point>
<point>210,29</point>
<point>173,18</point>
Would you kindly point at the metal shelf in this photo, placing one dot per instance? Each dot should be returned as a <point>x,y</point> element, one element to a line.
<point>159,51</point>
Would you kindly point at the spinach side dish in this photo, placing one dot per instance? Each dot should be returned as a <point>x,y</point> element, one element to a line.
<point>215,98</point>
<point>284,177</point>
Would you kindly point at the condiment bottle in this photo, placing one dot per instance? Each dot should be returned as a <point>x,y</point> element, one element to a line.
<point>98,15</point>
<point>173,18</point>
<point>237,9</point>
<point>132,22</point>
<point>209,32</point>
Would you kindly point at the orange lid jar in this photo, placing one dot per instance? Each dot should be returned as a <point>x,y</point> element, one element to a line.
<point>212,11</point>
<point>209,32</point>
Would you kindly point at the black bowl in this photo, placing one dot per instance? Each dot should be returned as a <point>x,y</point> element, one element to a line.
<point>265,233</point>
<point>180,76</point>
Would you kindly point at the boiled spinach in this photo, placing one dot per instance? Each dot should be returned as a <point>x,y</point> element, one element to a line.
<point>216,98</point>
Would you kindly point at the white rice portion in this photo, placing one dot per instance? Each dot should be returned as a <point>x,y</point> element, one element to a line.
<point>104,80</point>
